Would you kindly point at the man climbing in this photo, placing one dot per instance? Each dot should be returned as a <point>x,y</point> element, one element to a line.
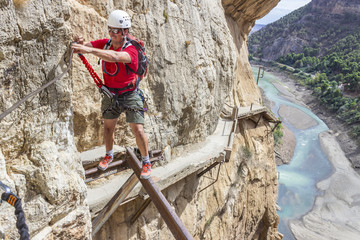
<point>118,57</point>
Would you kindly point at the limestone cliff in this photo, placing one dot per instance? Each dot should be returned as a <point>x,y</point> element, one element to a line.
<point>38,158</point>
<point>198,54</point>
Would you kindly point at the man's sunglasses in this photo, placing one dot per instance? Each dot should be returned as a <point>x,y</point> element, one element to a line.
<point>116,30</point>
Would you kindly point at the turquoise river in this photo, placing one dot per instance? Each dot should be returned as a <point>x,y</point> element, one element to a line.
<point>308,166</point>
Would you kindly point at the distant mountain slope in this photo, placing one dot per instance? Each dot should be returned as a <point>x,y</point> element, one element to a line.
<point>256,28</point>
<point>318,25</point>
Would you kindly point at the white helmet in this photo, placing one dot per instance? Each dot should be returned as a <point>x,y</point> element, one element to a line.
<point>119,19</point>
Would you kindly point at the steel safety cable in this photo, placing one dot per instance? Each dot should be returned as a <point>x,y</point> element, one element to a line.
<point>16,105</point>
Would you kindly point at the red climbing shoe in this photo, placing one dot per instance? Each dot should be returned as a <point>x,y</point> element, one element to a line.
<point>103,165</point>
<point>146,171</point>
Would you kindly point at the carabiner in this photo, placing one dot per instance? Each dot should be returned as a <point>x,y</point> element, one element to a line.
<point>8,196</point>
<point>5,187</point>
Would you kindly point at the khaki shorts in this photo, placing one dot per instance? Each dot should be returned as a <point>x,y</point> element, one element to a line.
<point>128,100</point>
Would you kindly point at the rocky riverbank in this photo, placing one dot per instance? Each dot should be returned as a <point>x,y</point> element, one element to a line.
<point>336,212</point>
<point>284,149</point>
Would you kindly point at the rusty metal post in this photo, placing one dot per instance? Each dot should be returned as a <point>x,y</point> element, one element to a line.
<point>262,75</point>
<point>272,130</point>
<point>234,127</point>
<point>261,114</point>
<point>217,176</point>
<point>166,211</point>
<point>140,210</point>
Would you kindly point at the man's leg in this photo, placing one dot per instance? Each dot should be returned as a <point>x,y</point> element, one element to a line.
<point>109,129</point>
<point>142,143</point>
<point>141,138</point>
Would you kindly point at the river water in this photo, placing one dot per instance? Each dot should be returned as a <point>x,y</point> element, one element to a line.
<point>308,166</point>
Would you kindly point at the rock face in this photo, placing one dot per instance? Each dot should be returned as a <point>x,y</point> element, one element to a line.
<point>198,55</point>
<point>283,46</point>
<point>189,78</point>
<point>39,159</point>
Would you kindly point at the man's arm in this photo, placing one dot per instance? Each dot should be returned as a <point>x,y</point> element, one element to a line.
<point>107,55</point>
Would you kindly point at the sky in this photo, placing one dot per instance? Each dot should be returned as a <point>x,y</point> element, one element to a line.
<point>283,8</point>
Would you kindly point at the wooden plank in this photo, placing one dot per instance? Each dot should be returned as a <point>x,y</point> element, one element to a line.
<point>111,165</point>
<point>99,175</point>
<point>93,174</point>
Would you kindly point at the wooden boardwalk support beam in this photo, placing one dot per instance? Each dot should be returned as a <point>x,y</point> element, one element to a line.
<point>234,127</point>
<point>114,203</point>
<point>173,222</point>
<point>247,112</point>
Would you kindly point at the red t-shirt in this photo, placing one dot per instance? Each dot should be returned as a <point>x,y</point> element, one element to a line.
<point>115,75</point>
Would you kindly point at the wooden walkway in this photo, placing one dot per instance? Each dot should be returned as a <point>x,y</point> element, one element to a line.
<point>166,211</point>
<point>176,170</point>
<point>258,111</point>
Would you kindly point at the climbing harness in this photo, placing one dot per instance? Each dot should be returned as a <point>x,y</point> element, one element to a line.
<point>15,201</point>
<point>118,106</point>
<point>115,96</point>
<point>16,105</point>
